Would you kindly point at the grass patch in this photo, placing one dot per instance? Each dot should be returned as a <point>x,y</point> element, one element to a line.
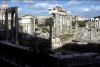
<point>65,37</point>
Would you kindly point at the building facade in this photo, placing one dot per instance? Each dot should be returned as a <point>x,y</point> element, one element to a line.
<point>78,18</point>
<point>41,19</point>
<point>3,7</point>
<point>27,24</point>
<point>96,22</point>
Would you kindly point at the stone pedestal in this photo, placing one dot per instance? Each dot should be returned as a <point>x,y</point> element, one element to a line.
<point>56,43</point>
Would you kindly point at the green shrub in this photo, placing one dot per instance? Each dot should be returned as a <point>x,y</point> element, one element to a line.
<point>65,37</point>
<point>81,23</point>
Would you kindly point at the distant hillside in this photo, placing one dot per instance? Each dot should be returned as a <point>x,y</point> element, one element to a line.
<point>97,17</point>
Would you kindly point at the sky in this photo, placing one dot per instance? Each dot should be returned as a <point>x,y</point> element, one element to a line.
<point>83,8</point>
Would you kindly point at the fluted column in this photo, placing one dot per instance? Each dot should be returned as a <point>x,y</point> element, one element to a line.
<point>99,23</point>
<point>12,28</point>
<point>16,25</point>
<point>61,24</point>
<point>64,24</point>
<point>6,25</point>
<point>50,33</point>
<point>34,25</point>
<point>96,24</point>
<point>2,19</point>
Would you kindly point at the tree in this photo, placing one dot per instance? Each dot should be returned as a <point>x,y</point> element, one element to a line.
<point>81,23</point>
<point>49,22</point>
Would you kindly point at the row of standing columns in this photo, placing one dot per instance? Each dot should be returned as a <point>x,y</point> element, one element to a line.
<point>61,24</point>
<point>14,24</point>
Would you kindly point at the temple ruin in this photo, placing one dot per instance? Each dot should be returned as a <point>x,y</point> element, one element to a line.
<point>13,35</point>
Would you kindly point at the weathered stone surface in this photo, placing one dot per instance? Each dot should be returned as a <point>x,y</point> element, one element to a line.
<point>56,43</point>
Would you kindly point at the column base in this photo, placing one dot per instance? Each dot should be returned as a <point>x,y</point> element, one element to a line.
<point>17,42</point>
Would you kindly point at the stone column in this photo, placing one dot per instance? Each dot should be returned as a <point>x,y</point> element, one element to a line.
<point>61,24</point>
<point>56,25</point>
<point>6,25</point>
<point>34,25</point>
<point>99,23</point>
<point>2,18</point>
<point>12,29</point>
<point>50,33</point>
<point>66,24</point>
<point>87,26</point>
<point>76,26</point>
<point>95,22</point>
<point>70,22</point>
<point>16,25</point>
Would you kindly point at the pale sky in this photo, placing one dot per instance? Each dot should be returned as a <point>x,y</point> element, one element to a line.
<point>84,8</point>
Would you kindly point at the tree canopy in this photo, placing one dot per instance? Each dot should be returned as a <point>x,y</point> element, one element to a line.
<point>81,23</point>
